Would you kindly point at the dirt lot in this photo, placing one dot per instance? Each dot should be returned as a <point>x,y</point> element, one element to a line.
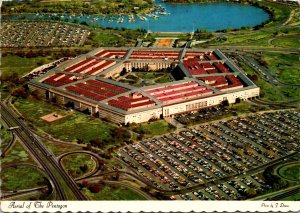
<point>164,42</point>
<point>51,117</point>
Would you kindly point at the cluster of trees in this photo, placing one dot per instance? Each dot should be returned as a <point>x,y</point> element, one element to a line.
<point>93,187</point>
<point>202,34</point>
<point>117,137</point>
<point>12,83</point>
<point>207,1</point>
<point>44,52</point>
<point>77,6</point>
<point>274,180</point>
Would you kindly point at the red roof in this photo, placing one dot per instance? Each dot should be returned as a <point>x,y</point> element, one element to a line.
<point>103,53</point>
<point>127,106</point>
<point>58,79</point>
<point>107,86</point>
<point>221,67</point>
<point>100,67</point>
<point>77,65</point>
<point>207,66</point>
<point>85,93</point>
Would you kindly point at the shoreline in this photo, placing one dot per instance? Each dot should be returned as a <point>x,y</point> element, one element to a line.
<point>266,9</point>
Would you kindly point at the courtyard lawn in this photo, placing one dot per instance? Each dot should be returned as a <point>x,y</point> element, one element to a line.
<point>20,177</point>
<point>73,127</point>
<point>148,75</point>
<point>74,164</point>
<point>163,79</point>
<point>113,193</point>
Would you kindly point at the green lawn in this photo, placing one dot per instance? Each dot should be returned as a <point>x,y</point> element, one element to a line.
<point>73,162</point>
<point>17,154</point>
<point>12,63</point>
<point>287,42</point>
<point>20,177</point>
<point>113,193</point>
<point>73,126</point>
<point>290,172</point>
<point>155,128</point>
<point>149,75</point>
<point>58,149</point>
<point>281,12</point>
<point>286,66</point>
<point>105,39</point>
<point>295,197</point>
<point>114,37</point>
<point>163,79</point>
<point>5,136</point>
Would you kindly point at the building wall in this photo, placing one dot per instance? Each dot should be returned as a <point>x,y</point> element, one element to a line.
<point>111,115</point>
<point>40,91</point>
<point>115,72</point>
<point>143,116</point>
<point>209,102</point>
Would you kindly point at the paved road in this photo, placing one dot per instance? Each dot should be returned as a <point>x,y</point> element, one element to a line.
<point>45,158</point>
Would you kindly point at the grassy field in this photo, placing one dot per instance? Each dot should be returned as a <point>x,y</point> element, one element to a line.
<point>286,66</point>
<point>5,136</point>
<point>154,128</point>
<point>287,42</point>
<point>106,39</point>
<point>281,13</point>
<point>17,154</point>
<point>73,162</point>
<point>20,65</point>
<point>13,67</point>
<point>290,172</point>
<point>114,37</point>
<point>295,197</point>
<point>58,149</point>
<point>20,177</point>
<point>113,193</point>
<point>73,126</point>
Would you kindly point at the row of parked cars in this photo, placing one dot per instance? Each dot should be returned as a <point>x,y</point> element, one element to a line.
<point>224,150</point>
<point>44,69</point>
<point>41,34</point>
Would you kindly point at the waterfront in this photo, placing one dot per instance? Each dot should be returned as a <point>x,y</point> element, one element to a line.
<point>174,18</point>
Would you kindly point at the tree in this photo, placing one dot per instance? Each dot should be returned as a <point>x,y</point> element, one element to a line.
<point>83,168</point>
<point>97,142</point>
<point>94,188</point>
<point>237,100</point>
<point>225,103</point>
<point>20,92</point>
<point>251,192</point>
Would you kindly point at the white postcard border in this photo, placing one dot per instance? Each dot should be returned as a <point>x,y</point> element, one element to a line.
<point>150,206</point>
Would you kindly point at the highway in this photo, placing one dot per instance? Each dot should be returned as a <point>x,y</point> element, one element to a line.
<point>61,180</point>
<point>285,194</point>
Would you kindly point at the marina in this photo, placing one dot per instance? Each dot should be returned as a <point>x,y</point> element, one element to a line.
<point>166,17</point>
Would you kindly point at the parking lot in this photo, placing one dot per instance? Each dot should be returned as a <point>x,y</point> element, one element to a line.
<point>205,115</point>
<point>41,34</point>
<point>211,152</point>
